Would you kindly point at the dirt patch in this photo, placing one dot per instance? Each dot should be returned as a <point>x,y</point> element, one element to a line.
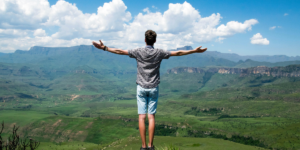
<point>74,135</point>
<point>57,132</point>
<point>79,87</point>
<point>49,130</point>
<point>66,133</point>
<point>89,125</point>
<point>74,96</point>
<point>56,123</point>
<point>36,130</point>
<point>12,125</point>
<point>79,132</point>
<point>80,136</point>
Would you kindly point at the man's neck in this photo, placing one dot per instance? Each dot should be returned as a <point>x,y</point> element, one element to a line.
<point>150,46</point>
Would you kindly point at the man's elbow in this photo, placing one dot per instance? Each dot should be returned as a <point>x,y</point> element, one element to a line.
<point>121,52</point>
<point>176,53</point>
<point>118,52</point>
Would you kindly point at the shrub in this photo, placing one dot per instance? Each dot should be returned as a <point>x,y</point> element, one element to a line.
<point>15,143</point>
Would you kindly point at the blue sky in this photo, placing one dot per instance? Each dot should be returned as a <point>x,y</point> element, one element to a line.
<point>271,27</point>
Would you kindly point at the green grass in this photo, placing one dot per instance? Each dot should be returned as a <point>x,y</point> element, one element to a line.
<point>69,146</point>
<point>184,143</point>
<point>22,118</point>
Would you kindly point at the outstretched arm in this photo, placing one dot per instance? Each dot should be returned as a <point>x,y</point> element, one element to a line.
<point>112,50</point>
<point>187,52</point>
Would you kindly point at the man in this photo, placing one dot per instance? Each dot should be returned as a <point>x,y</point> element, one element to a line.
<point>148,64</point>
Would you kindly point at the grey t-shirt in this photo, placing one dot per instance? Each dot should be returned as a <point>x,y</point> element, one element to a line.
<point>148,64</point>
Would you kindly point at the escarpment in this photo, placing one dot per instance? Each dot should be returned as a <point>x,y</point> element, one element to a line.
<point>288,71</point>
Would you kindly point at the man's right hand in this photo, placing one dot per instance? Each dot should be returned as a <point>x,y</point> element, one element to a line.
<point>200,50</point>
<point>187,52</point>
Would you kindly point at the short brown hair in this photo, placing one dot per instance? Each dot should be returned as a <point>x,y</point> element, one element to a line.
<point>150,37</point>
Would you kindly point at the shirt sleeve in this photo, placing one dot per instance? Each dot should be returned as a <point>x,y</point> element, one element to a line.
<point>165,54</point>
<point>132,53</point>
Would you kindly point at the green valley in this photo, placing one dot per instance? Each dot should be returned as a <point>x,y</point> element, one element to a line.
<point>83,98</point>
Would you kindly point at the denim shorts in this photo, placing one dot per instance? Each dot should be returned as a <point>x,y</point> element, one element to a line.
<point>147,98</point>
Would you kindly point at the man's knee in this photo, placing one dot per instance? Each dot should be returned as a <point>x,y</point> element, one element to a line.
<point>142,116</point>
<point>151,116</point>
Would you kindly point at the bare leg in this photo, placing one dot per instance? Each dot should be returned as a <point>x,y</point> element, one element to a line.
<point>142,129</point>
<point>151,118</point>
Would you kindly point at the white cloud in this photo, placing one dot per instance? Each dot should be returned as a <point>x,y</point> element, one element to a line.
<point>179,17</point>
<point>20,14</point>
<point>229,50</point>
<point>179,25</point>
<point>259,40</point>
<point>234,27</point>
<point>285,14</point>
<point>39,33</point>
<point>272,28</point>
<point>24,43</point>
<point>220,39</point>
<point>154,7</point>
<point>13,33</point>
<point>110,17</point>
<point>146,10</point>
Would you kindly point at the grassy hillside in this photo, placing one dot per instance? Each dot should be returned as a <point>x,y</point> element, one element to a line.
<point>61,132</point>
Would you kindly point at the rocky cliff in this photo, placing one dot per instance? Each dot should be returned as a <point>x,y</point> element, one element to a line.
<point>288,71</point>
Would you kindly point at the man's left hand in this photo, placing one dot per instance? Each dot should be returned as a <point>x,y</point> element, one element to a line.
<point>97,45</point>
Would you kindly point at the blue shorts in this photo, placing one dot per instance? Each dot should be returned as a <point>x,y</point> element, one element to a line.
<point>147,98</point>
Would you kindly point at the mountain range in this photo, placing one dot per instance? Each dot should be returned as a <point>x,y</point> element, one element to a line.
<point>235,57</point>
<point>68,58</point>
<point>2,54</point>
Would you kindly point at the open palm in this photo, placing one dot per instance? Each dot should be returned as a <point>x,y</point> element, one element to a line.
<point>97,45</point>
<point>200,50</point>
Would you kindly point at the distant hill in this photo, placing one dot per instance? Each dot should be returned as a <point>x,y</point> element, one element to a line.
<point>236,57</point>
<point>190,79</point>
<point>67,58</point>
<point>262,58</point>
<point>182,48</point>
<point>1,54</point>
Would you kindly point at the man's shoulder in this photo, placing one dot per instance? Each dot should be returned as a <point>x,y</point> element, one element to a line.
<point>139,48</point>
<point>145,48</point>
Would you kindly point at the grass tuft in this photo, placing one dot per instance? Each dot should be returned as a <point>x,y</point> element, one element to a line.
<point>168,147</point>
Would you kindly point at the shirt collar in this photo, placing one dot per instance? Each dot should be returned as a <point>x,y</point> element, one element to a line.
<point>149,46</point>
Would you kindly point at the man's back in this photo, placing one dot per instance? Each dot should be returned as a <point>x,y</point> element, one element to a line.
<point>148,64</point>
